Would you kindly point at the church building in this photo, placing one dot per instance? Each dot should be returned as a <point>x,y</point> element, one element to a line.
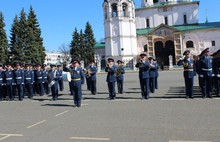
<point>163,29</point>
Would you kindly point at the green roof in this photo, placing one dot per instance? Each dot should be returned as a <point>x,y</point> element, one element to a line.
<point>200,26</point>
<point>165,4</point>
<point>99,45</point>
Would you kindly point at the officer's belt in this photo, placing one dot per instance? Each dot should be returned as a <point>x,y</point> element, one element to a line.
<point>188,69</point>
<point>76,79</point>
<point>61,76</point>
<point>18,77</point>
<point>45,77</point>
<point>39,78</point>
<point>206,69</point>
<point>0,78</point>
<point>27,78</point>
<point>8,78</point>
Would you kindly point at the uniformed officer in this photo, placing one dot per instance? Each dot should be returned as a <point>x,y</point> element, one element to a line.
<point>39,79</point>
<point>45,79</point>
<point>205,64</point>
<point>19,80</point>
<point>120,71</point>
<point>88,77</point>
<point>156,72</point>
<point>144,75</point>
<point>1,81</point>
<point>60,79</point>
<point>152,73</point>
<point>91,71</point>
<point>53,76</point>
<point>9,80</point>
<point>77,77</point>
<point>188,65</point>
<point>111,78</point>
<point>29,81</point>
<point>216,71</point>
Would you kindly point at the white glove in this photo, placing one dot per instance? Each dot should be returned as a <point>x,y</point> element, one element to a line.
<point>213,75</point>
<point>201,76</point>
<point>218,75</point>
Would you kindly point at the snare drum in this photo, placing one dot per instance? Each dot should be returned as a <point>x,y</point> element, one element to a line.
<point>66,76</point>
<point>51,84</point>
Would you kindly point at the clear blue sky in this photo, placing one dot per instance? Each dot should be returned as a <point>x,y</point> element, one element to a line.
<point>58,18</point>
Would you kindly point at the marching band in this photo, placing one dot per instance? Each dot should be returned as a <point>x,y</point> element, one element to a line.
<point>24,81</point>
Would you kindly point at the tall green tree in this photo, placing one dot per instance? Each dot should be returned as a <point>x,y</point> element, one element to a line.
<point>3,41</point>
<point>34,49</point>
<point>75,50</point>
<point>90,41</point>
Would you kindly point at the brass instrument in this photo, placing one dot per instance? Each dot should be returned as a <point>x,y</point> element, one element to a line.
<point>118,71</point>
<point>89,71</point>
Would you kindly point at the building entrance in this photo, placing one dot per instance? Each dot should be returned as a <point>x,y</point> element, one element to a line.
<point>162,52</point>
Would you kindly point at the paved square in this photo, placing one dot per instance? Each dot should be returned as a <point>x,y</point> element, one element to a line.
<point>166,117</point>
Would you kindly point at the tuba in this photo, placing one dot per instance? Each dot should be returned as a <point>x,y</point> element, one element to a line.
<point>118,71</point>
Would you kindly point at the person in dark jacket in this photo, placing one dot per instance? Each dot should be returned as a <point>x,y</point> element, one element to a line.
<point>9,81</point>
<point>120,71</point>
<point>216,72</point>
<point>29,81</point>
<point>1,81</point>
<point>53,77</point>
<point>188,73</point>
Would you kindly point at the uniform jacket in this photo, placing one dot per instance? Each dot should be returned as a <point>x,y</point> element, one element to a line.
<point>39,76</point>
<point>77,73</point>
<point>9,77</point>
<point>111,76</point>
<point>216,67</point>
<point>1,77</point>
<point>45,75</point>
<point>122,72</point>
<point>53,75</point>
<point>93,70</point>
<point>144,69</point>
<point>205,64</point>
<point>153,70</point>
<point>60,72</point>
<point>188,65</point>
<point>19,76</point>
<point>28,77</point>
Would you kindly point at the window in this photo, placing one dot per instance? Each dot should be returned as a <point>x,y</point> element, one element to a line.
<point>124,9</point>
<point>184,19</point>
<point>147,23</point>
<point>114,10</point>
<point>166,20</point>
<point>213,43</point>
<point>106,12</point>
<point>145,48</point>
<point>189,44</point>
<point>155,1</point>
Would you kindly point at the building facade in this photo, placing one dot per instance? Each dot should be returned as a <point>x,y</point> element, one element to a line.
<point>162,28</point>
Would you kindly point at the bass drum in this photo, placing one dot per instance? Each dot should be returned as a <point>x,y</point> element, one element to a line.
<point>66,76</point>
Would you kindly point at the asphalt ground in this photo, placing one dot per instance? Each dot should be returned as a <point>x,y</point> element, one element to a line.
<point>166,117</point>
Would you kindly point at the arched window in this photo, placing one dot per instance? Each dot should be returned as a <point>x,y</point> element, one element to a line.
<point>189,44</point>
<point>124,9</point>
<point>145,48</point>
<point>114,10</point>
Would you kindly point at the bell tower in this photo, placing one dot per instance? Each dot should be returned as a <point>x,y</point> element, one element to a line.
<point>145,3</point>
<point>120,29</point>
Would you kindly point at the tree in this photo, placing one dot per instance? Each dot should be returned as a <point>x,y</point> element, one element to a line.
<point>89,42</point>
<point>34,49</point>
<point>74,46</point>
<point>3,41</point>
<point>65,50</point>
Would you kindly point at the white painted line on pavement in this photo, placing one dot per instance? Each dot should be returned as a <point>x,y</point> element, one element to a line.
<point>124,100</point>
<point>187,141</point>
<point>61,113</point>
<point>5,136</point>
<point>38,123</point>
<point>89,138</point>
<point>173,99</point>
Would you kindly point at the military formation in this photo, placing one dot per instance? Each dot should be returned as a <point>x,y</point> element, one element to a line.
<point>207,67</point>
<point>28,80</point>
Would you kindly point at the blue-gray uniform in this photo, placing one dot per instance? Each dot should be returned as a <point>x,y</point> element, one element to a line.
<point>205,64</point>
<point>29,81</point>
<point>152,73</point>
<point>9,80</point>
<point>19,80</point>
<point>111,79</point>
<point>53,75</point>
<point>188,65</point>
<point>88,79</point>
<point>144,76</point>
<point>39,81</point>
<point>120,71</point>
<point>77,77</point>
<point>157,75</point>
<point>216,71</point>
<point>93,71</point>
<point>45,80</point>
<point>1,84</point>
<point>60,79</point>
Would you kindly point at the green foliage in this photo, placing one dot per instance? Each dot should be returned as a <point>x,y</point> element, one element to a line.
<point>82,44</point>
<point>3,41</point>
